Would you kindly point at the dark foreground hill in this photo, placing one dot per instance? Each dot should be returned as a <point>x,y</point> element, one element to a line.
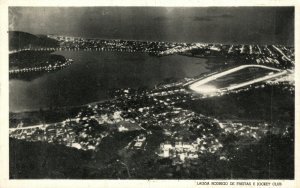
<point>21,40</point>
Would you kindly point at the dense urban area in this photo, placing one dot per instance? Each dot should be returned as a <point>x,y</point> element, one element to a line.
<point>170,131</point>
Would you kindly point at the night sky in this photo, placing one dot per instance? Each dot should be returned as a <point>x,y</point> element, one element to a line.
<point>254,25</point>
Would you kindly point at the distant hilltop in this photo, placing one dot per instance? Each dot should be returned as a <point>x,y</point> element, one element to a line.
<point>23,40</point>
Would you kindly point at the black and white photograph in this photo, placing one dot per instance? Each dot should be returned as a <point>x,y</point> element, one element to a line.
<point>151,93</point>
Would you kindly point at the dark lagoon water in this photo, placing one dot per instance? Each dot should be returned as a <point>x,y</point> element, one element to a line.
<point>92,74</point>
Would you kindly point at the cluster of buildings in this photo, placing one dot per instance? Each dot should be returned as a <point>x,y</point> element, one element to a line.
<point>78,43</point>
<point>249,130</point>
<point>179,125</point>
<point>180,48</point>
<point>66,133</point>
<point>240,129</point>
<point>86,130</point>
<point>154,107</point>
<point>274,55</point>
<point>189,150</point>
<point>138,143</point>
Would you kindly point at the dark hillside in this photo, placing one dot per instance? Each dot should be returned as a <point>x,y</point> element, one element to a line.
<point>21,40</point>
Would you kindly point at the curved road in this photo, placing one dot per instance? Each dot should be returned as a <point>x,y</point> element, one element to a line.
<point>195,86</point>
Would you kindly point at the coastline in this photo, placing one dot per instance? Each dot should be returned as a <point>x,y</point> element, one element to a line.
<point>60,107</point>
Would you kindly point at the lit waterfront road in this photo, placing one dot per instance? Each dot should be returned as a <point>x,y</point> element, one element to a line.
<point>29,127</point>
<point>41,126</point>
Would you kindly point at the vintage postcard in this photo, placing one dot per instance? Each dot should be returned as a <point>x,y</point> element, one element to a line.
<point>149,94</point>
